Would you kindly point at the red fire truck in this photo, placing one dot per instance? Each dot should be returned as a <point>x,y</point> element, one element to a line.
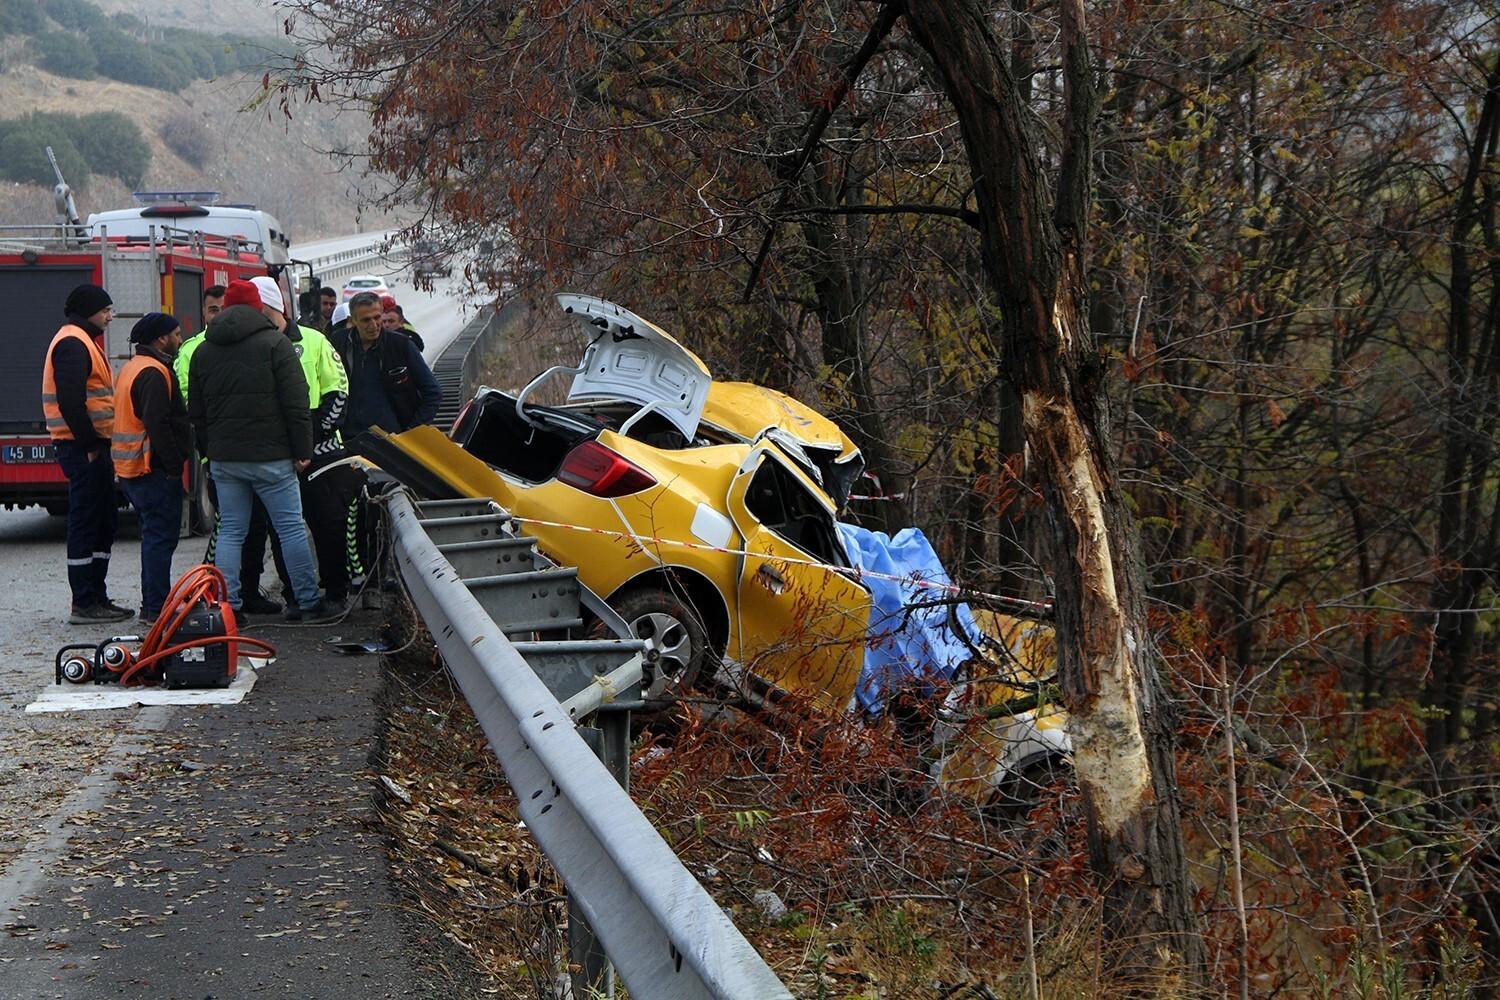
<point>160,269</point>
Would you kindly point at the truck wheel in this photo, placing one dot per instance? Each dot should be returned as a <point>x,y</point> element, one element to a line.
<point>201,510</point>
<point>57,508</point>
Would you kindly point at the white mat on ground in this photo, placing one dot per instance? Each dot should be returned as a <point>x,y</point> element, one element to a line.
<point>91,697</point>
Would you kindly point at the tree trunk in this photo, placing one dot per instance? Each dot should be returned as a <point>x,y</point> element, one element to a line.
<point>841,313</point>
<point>1120,719</point>
<point>1467,509</point>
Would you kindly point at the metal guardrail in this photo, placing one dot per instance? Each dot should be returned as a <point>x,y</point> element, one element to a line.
<point>351,259</point>
<point>664,934</point>
<point>454,366</point>
<point>472,377</point>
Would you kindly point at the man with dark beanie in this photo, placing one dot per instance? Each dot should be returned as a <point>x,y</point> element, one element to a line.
<point>249,409</point>
<point>78,402</point>
<point>150,447</point>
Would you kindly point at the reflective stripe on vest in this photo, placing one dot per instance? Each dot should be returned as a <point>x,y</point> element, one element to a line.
<point>129,445</point>
<point>99,391</point>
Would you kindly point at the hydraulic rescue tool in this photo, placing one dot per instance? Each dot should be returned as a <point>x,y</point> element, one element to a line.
<point>193,643</point>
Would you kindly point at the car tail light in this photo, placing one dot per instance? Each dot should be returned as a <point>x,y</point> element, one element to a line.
<point>458,421</point>
<point>595,469</point>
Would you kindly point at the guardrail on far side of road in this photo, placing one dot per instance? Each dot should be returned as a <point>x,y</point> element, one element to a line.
<point>332,259</point>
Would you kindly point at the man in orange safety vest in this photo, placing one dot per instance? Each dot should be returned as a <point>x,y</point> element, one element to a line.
<point>150,446</point>
<point>78,403</point>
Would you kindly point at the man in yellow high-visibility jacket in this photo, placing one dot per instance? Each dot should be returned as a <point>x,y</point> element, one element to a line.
<point>213,304</point>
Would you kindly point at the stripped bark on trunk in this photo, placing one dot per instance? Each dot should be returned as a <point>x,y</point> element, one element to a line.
<point>1032,241</point>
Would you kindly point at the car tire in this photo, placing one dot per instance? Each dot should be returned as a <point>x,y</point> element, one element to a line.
<point>201,509</point>
<point>56,508</point>
<point>1048,782</point>
<point>671,619</point>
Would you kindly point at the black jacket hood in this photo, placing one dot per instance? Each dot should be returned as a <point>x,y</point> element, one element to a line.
<point>236,324</point>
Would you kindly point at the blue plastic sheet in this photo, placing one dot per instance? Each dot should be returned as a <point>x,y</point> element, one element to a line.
<point>908,647</point>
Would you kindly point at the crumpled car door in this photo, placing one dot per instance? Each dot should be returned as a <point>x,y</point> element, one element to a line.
<point>800,626</point>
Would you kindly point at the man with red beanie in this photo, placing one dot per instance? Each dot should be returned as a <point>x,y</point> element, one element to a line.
<point>78,402</point>
<point>393,320</point>
<point>249,409</point>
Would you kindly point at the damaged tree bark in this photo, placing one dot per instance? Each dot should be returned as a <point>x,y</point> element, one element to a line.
<point>1033,242</point>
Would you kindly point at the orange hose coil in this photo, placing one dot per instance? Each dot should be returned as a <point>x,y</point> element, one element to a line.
<point>203,583</point>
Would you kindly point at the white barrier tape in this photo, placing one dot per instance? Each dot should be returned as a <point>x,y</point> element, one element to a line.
<point>912,579</point>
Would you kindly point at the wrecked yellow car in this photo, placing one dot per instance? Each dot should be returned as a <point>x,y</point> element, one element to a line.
<point>705,514</point>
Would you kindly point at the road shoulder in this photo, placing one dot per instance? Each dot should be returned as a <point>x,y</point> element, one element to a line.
<point>237,854</point>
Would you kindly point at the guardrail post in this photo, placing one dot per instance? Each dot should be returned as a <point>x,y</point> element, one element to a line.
<point>665,934</point>
<point>596,977</point>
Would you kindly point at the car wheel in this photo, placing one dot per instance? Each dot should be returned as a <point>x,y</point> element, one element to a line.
<point>1040,802</point>
<point>675,628</point>
<point>200,503</point>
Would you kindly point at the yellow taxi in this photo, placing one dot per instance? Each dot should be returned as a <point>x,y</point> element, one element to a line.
<point>704,512</point>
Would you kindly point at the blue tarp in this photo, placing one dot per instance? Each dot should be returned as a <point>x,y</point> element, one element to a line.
<point>905,649</point>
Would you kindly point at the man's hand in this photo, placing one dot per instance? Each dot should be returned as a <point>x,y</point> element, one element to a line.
<point>301,465</point>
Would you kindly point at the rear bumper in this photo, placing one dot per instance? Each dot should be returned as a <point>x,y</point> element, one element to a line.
<point>25,483</point>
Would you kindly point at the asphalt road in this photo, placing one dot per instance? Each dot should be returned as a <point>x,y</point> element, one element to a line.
<point>42,758</point>
<point>189,852</point>
<point>259,869</point>
<point>438,315</point>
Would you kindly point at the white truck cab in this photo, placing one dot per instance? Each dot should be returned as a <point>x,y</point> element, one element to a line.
<point>196,211</point>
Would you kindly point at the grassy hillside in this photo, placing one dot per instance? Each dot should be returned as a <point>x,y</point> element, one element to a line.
<point>249,16</point>
<point>205,137</point>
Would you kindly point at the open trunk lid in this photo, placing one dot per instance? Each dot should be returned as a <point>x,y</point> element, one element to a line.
<point>633,359</point>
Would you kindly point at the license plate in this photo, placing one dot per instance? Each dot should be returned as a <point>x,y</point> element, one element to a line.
<point>27,454</point>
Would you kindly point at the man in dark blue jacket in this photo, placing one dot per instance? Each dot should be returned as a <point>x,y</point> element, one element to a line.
<point>249,408</point>
<point>390,386</point>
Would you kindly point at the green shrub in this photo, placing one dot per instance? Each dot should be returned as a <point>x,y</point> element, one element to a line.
<point>66,53</point>
<point>104,142</point>
<point>112,47</point>
<point>79,15</point>
<point>112,144</point>
<point>127,59</point>
<point>195,59</point>
<point>21,17</point>
<point>23,155</point>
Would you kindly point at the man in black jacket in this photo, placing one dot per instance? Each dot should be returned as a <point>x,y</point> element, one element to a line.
<point>78,405</point>
<point>249,409</point>
<point>150,446</point>
<point>390,386</point>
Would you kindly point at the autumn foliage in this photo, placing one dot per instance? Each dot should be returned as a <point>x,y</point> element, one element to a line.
<point>1292,295</point>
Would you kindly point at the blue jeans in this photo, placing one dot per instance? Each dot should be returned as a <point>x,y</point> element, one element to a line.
<point>275,483</point>
<point>91,519</point>
<point>157,499</point>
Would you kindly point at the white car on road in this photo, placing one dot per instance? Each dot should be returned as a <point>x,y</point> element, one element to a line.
<point>365,283</point>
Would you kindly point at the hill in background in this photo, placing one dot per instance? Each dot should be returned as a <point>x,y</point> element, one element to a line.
<point>199,133</point>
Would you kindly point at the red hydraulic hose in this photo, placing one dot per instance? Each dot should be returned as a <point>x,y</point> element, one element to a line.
<point>203,584</point>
